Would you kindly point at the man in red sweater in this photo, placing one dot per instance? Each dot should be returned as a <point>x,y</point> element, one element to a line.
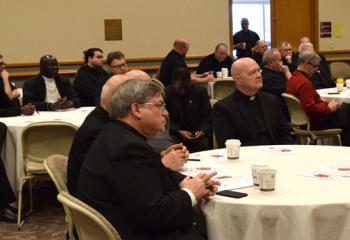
<point>322,114</point>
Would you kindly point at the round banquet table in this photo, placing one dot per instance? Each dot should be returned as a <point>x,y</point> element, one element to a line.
<point>302,207</point>
<point>12,150</point>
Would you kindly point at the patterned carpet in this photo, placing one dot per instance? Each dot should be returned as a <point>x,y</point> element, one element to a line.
<point>46,222</point>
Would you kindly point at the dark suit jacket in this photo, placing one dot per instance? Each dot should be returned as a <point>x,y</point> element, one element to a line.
<point>191,112</point>
<point>230,120</point>
<point>88,84</point>
<point>34,91</point>
<point>6,193</point>
<point>127,183</point>
<point>83,139</point>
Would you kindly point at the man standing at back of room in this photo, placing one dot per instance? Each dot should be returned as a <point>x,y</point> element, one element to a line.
<point>90,78</point>
<point>245,40</point>
<point>176,59</point>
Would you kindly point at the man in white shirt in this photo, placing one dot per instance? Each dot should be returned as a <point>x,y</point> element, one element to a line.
<point>48,91</point>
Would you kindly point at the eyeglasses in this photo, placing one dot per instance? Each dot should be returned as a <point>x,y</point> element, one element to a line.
<point>160,105</point>
<point>314,65</point>
<point>118,66</point>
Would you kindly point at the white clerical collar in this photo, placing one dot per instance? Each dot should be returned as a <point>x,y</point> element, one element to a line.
<point>252,98</point>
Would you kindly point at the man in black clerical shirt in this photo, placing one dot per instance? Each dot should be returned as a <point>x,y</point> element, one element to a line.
<point>253,117</point>
<point>189,112</point>
<point>215,61</point>
<point>245,40</point>
<point>261,48</point>
<point>176,59</point>
<point>174,157</point>
<point>275,76</point>
<point>90,78</point>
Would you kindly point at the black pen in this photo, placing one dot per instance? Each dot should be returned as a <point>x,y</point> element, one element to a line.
<point>193,159</point>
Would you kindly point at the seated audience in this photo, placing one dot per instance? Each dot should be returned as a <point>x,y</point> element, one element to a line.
<point>176,59</point>
<point>275,76</point>
<point>289,58</point>
<point>174,157</point>
<point>322,114</point>
<point>253,117</point>
<point>9,103</point>
<point>90,78</point>
<point>261,48</point>
<point>189,111</point>
<point>215,61</point>
<point>7,196</point>
<point>127,183</point>
<point>117,63</point>
<point>48,91</point>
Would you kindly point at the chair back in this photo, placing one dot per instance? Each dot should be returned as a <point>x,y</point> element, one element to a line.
<point>340,69</point>
<point>223,88</point>
<point>89,223</point>
<point>296,111</point>
<point>56,167</point>
<point>41,139</point>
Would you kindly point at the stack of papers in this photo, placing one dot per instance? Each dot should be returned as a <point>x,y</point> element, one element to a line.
<point>336,172</point>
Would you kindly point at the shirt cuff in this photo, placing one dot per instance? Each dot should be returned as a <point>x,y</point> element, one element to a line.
<point>190,193</point>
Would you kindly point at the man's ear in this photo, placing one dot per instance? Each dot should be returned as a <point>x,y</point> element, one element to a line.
<point>135,109</point>
<point>237,79</point>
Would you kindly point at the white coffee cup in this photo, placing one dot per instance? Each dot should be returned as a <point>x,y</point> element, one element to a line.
<point>267,179</point>
<point>244,45</point>
<point>219,74</point>
<point>256,166</point>
<point>232,148</point>
<point>224,72</point>
<point>347,83</point>
<point>340,87</point>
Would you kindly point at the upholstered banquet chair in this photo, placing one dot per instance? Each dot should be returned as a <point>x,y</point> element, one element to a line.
<point>340,69</point>
<point>56,167</point>
<point>223,88</point>
<point>40,140</point>
<point>301,124</point>
<point>89,223</point>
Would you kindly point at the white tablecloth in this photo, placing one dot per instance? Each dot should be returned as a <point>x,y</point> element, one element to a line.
<point>12,150</point>
<point>329,94</point>
<point>301,208</point>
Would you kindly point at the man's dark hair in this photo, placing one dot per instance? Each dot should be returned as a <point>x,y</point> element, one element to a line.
<point>1,56</point>
<point>181,75</point>
<point>114,55</point>
<point>90,53</point>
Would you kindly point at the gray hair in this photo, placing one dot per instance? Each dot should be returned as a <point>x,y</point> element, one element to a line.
<point>308,57</point>
<point>268,56</point>
<point>129,92</point>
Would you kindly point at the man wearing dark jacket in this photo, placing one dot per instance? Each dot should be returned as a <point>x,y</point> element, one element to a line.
<point>48,91</point>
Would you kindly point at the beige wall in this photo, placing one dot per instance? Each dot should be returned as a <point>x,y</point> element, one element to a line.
<point>336,11</point>
<point>65,28</point>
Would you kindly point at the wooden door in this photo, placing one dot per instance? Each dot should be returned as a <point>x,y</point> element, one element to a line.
<point>291,20</point>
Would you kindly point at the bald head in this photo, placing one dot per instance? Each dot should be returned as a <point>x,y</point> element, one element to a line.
<point>181,46</point>
<point>305,40</point>
<point>246,74</point>
<point>138,74</point>
<point>306,47</point>
<point>113,83</point>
